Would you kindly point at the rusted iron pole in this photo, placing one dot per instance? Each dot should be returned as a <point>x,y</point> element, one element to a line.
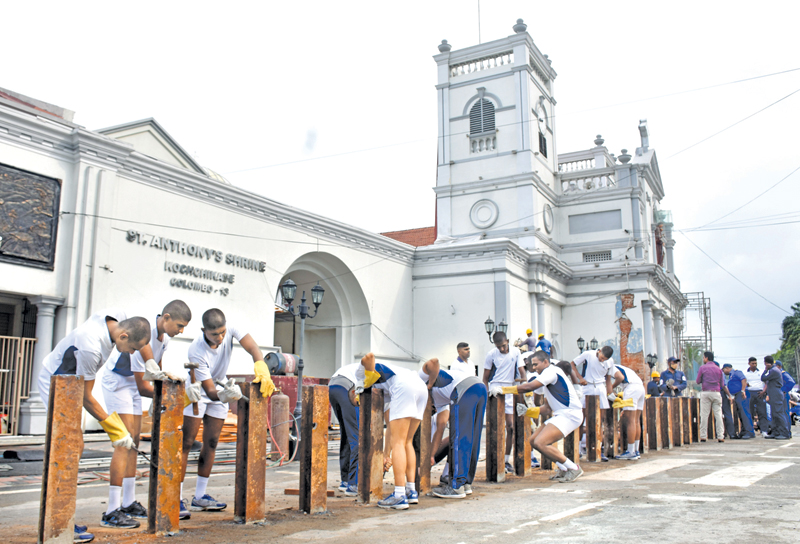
<point>370,446</point>
<point>614,433</point>
<point>279,416</point>
<point>694,408</point>
<point>686,422</point>
<point>522,440</point>
<point>644,445</point>
<point>423,483</point>
<point>496,438</point>
<point>653,409</point>
<point>572,446</point>
<point>594,429</point>
<point>666,423</point>
<point>62,452</point>
<point>314,450</point>
<point>165,451</point>
<point>546,463</point>
<point>251,451</point>
<point>677,421</point>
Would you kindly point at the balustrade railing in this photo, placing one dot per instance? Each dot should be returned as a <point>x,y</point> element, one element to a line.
<point>588,183</point>
<point>486,141</point>
<point>572,166</point>
<point>483,63</point>
<point>16,366</point>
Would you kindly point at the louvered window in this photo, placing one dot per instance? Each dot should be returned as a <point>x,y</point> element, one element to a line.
<point>543,145</point>
<point>481,117</point>
<point>597,257</point>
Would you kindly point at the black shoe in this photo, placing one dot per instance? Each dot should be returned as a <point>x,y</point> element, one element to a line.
<point>118,520</point>
<point>769,436</point>
<point>134,510</point>
<point>783,438</point>
<point>746,437</point>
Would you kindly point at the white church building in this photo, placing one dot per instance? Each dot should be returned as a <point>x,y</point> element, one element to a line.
<point>124,217</point>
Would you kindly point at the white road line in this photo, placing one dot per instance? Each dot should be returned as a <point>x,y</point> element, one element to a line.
<point>512,531</point>
<point>740,475</point>
<point>787,445</point>
<point>795,457</point>
<point>640,469</point>
<point>682,498</point>
<point>529,524</point>
<point>573,511</point>
<point>705,454</point>
<point>554,489</point>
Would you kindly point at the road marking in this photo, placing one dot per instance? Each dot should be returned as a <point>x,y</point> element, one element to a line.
<point>529,524</point>
<point>786,445</point>
<point>795,457</point>
<point>640,470</point>
<point>573,511</point>
<point>512,531</point>
<point>683,498</point>
<point>767,451</point>
<point>554,489</point>
<point>705,454</point>
<point>740,475</point>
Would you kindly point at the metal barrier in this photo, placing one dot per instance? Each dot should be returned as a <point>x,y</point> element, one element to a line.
<point>16,365</point>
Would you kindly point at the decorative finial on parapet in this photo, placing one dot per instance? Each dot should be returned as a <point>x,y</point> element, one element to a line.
<point>520,27</point>
<point>624,158</point>
<point>444,47</point>
<point>547,58</point>
<point>599,141</point>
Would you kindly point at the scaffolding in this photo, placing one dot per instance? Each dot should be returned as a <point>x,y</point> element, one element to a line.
<point>697,312</point>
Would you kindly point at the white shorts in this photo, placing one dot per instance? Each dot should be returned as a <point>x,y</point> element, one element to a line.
<point>208,407</point>
<point>409,398</point>
<point>597,390</point>
<point>122,400</point>
<point>566,421</point>
<point>636,392</point>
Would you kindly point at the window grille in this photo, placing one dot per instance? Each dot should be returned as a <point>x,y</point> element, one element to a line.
<point>481,117</point>
<point>597,257</point>
<point>543,145</point>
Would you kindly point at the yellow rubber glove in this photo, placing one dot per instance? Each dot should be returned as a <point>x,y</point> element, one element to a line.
<point>512,390</point>
<point>115,428</point>
<point>533,412</point>
<point>370,378</point>
<point>620,403</point>
<point>262,376</point>
<point>186,401</point>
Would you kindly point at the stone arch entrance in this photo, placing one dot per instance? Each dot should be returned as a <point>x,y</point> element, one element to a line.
<point>341,330</point>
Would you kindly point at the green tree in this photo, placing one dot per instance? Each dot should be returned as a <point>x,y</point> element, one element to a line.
<point>790,341</point>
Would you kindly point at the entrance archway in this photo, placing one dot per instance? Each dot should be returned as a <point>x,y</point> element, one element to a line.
<point>341,329</point>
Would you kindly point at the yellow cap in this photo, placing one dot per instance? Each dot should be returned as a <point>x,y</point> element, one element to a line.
<point>655,374</point>
<point>528,331</point>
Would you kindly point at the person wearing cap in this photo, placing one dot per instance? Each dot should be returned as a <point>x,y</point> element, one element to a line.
<point>756,405</point>
<point>652,386</point>
<point>788,385</point>
<point>672,381</point>
<point>529,342</point>
<point>544,345</point>
<point>773,380</point>
<point>736,382</point>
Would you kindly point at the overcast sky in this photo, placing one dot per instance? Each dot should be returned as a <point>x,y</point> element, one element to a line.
<point>330,106</point>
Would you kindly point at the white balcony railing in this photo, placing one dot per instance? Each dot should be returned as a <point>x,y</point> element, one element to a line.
<point>483,63</point>
<point>485,141</point>
<point>591,183</point>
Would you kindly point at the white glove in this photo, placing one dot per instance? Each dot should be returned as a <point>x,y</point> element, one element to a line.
<point>193,392</point>
<point>495,391</point>
<point>612,397</point>
<point>358,389</point>
<point>521,409</point>
<point>230,391</point>
<point>152,372</point>
<point>150,410</point>
<point>125,442</point>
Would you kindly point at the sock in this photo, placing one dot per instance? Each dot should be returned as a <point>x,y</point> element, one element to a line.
<point>446,469</point>
<point>632,448</point>
<point>583,440</point>
<point>410,487</point>
<point>128,491</point>
<point>181,495</point>
<point>114,492</point>
<point>508,458</point>
<point>570,465</point>
<point>561,466</point>
<point>399,491</point>
<point>202,483</point>
<point>636,446</point>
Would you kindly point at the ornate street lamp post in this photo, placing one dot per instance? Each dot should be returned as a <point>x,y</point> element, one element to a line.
<point>490,328</point>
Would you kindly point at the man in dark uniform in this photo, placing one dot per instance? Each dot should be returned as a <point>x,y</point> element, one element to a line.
<point>774,381</point>
<point>788,385</point>
<point>673,381</point>
<point>736,384</point>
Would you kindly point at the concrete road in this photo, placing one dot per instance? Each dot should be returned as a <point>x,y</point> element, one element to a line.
<point>739,491</point>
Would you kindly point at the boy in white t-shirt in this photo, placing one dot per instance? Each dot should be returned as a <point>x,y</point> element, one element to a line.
<point>633,391</point>
<point>212,351</point>
<point>593,367</point>
<point>124,386</point>
<point>502,367</point>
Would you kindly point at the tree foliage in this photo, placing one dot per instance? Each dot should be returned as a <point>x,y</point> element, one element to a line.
<point>790,341</point>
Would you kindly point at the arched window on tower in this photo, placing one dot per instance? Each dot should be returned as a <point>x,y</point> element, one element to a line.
<point>481,117</point>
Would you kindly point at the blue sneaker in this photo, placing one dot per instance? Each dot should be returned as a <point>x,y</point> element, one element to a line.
<point>412,496</point>
<point>393,502</point>
<point>351,491</point>
<point>184,513</point>
<point>628,456</point>
<point>207,502</point>
<point>535,462</point>
<point>604,458</point>
<point>82,535</point>
<point>343,487</point>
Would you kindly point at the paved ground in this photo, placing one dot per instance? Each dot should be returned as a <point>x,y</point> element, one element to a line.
<point>739,491</point>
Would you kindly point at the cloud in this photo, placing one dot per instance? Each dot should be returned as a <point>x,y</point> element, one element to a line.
<point>311,140</point>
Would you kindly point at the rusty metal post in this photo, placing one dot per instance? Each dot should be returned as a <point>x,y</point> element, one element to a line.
<point>496,438</point>
<point>694,408</point>
<point>653,409</point>
<point>572,446</point>
<point>677,421</point>
<point>423,483</point>
<point>615,432</point>
<point>279,416</point>
<point>686,422</point>
<point>314,450</point>
<point>370,446</point>
<point>522,439</point>
<point>165,451</point>
<point>62,452</point>
<point>666,423</point>
<point>251,453</point>
<point>644,445</point>
<point>545,462</point>
<point>594,429</point>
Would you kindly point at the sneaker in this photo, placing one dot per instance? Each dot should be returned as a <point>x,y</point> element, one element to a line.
<point>447,492</point>
<point>628,456</point>
<point>764,434</point>
<point>747,436</point>
<point>412,496</point>
<point>118,520</point>
<point>558,474</point>
<point>134,510</point>
<point>783,438</point>
<point>768,436</point>
<point>81,535</point>
<point>393,502</point>
<point>468,489</point>
<point>343,487</point>
<point>535,462</point>
<point>207,502</point>
<point>351,491</point>
<point>184,513</point>
<point>444,479</point>
<point>604,458</point>
<point>571,476</point>
<point>509,468</point>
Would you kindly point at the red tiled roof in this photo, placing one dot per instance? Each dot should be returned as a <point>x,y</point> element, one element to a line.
<point>413,237</point>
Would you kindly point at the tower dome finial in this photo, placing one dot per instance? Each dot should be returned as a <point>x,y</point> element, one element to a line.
<point>520,27</point>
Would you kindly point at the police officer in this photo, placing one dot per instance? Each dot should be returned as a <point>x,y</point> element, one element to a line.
<point>652,386</point>
<point>788,385</point>
<point>673,381</point>
<point>756,405</point>
<point>737,384</point>
<point>774,381</point>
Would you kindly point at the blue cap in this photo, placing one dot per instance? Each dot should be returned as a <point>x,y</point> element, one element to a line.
<point>779,363</point>
<point>727,365</point>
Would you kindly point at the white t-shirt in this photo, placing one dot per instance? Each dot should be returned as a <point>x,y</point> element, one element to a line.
<point>557,389</point>
<point>389,375</point>
<point>348,371</point>
<point>458,364</point>
<point>84,350</point>
<point>444,385</point>
<point>754,382</point>
<point>629,376</point>
<point>504,366</point>
<point>594,371</point>
<point>213,362</point>
<point>121,366</point>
